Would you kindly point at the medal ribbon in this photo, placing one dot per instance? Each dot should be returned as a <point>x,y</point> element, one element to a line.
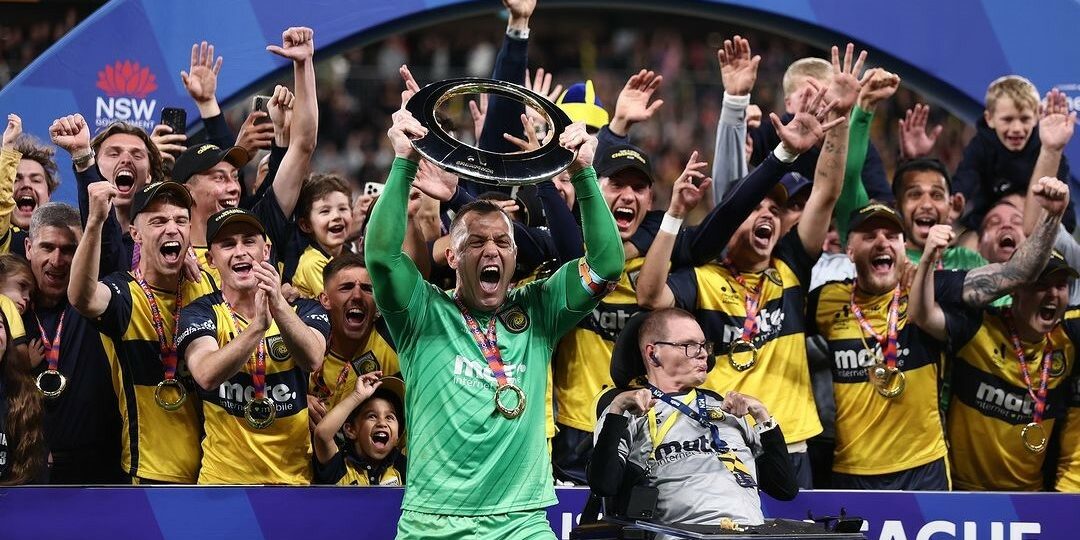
<point>258,371</point>
<point>488,342</point>
<point>888,342</point>
<point>168,350</point>
<point>52,347</point>
<point>1044,375</point>
<point>753,300</point>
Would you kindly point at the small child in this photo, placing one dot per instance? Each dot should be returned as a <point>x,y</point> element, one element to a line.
<point>325,216</point>
<point>373,418</point>
<point>16,280</point>
<point>1001,158</point>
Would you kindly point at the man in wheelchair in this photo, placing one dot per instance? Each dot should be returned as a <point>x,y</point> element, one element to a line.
<point>662,437</point>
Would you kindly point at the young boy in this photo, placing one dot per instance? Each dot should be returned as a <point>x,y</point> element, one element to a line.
<point>373,417</point>
<point>1000,159</point>
<point>325,212</point>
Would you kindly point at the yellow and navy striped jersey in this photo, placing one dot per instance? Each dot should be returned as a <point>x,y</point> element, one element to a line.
<point>874,434</point>
<point>377,354</point>
<point>1068,465</point>
<point>344,469</point>
<point>158,445</point>
<point>582,362</point>
<point>781,377</point>
<point>233,451</point>
<point>308,278</point>
<point>990,403</point>
<point>14,320</point>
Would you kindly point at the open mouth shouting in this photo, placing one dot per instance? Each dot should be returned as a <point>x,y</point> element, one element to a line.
<point>761,235</point>
<point>882,264</point>
<point>171,252</point>
<point>624,217</point>
<point>380,439</point>
<point>125,180</point>
<point>1007,242</point>
<point>490,277</point>
<point>336,229</point>
<point>25,204</point>
<point>1047,313</point>
<point>921,223</point>
<point>243,270</point>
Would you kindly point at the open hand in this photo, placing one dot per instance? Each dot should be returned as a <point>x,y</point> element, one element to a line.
<point>200,79</point>
<point>806,129</point>
<point>738,69</point>
<point>633,104</point>
<point>915,140</point>
<point>1057,124</point>
<point>845,85</point>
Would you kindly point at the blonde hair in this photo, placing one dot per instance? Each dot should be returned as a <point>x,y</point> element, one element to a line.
<point>1017,88</point>
<point>806,67</point>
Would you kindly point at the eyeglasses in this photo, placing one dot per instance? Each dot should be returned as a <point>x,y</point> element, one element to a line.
<point>692,350</point>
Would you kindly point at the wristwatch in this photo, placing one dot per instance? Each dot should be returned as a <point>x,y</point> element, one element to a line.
<point>766,425</point>
<point>517,33</point>
<point>83,160</point>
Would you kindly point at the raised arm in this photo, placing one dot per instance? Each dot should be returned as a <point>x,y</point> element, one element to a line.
<point>1055,130</point>
<point>881,86</point>
<point>829,173</point>
<point>212,365</point>
<point>297,44</point>
<point>325,446</point>
<point>687,191</point>
<point>9,165</point>
<point>922,305</point>
<point>985,284</point>
<point>633,104</point>
<point>738,71</point>
<point>393,274</point>
<point>89,296</point>
<point>603,248</point>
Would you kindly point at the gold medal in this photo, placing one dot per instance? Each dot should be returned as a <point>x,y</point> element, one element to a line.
<point>159,391</point>
<point>1034,437</point>
<point>60,385</point>
<point>509,412</point>
<point>888,381</point>
<point>260,412</point>
<point>742,346</point>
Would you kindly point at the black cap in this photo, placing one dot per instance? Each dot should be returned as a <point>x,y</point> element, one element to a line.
<point>794,183</point>
<point>626,362</point>
<point>202,157</point>
<point>1057,263</point>
<point>875,211</point>
<point>620,157</point>
<point>149,192</point>
<point>228,216</point>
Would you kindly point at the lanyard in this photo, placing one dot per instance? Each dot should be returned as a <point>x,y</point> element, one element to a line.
<point>258,371</point>
<point>52,347</point>
<point>700,416</point>
<point>887,342</point>
<point>753,300</point>
<point>1044,376</point>
<point>487,341</point>
<point>168,350</point>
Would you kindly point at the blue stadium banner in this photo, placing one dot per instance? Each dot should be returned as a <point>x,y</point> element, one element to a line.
<point>291,513</point>
<point>124,61</point>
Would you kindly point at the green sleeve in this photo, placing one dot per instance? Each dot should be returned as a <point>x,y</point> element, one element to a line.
<point>394,277</point>
<point>603,247</point>
<point>853,194</point>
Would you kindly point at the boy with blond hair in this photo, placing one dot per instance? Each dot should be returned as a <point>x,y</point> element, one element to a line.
<point>1000,159</point>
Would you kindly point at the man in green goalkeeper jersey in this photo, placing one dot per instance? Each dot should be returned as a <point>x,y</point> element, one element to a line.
<point>475,359</point>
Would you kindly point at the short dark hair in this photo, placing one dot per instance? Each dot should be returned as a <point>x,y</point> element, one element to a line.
<point>914,166</point>
<point>479,206</point>
<point>392,399</point>
<point>54,214</point>
<point>318,186</point>
<point>157,170</point>
<point>33,149</point>
<point>342,262</point>
<point>655,324</point>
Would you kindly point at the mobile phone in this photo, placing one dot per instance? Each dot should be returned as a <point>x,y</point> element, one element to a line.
<point>176,119</point>
<point>373,188</point>
<point>260,103</point>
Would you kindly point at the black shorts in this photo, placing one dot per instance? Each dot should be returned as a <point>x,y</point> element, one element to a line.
<point>929,477</point>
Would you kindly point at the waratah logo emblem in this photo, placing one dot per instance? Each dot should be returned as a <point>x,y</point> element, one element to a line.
<point>126,78</point>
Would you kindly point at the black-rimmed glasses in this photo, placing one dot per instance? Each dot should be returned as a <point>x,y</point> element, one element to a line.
<point>692,350</point>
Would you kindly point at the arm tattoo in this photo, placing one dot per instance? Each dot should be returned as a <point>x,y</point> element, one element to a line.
<point>984,285</point>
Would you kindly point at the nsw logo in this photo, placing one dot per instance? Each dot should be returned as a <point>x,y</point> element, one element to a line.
<point>126,85</point>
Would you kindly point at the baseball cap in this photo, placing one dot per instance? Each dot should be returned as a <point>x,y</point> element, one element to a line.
<point>872,211</point>
<point>216,222</point>
<point>197,159</point>
<point>1057,263</point>
<point>581,104</point>
<point>619,157</point>
<point>149,192</point>
<point>794,183</point>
